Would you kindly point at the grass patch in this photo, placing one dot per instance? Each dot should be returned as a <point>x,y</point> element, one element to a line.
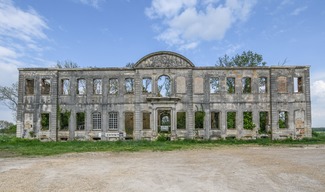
<point>12,146</point>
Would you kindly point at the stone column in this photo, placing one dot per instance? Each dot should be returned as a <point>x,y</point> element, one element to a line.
<point>72,124</point>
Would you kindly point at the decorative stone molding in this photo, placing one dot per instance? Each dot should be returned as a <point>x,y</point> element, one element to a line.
<point>164,60</point>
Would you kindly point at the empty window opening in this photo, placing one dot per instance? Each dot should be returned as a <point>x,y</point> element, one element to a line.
<point>45,121</point>
<point>297,84</point>
<point>248,120</point>
<point>215,123</point>
<point>146,85</point>
<point>80,119</point>
<point>29,87</point>
<point>181,120</point>
<point>231,120</point>
<point>129,85</point>
<point>199,119</point>
<point>81,89</point>
<point>65,84</point>
<point>230,85</point>
<point>128,122</point>
<point>64,121</point>
<point>214,85</point>
<point>45,86</point>
<point>97,121</point>
<point>283,119</point>
<point>113,86</point>
<point>262,86</point>
<point>112,120</point>
<point>264,121</point>
<point>146,120</point>
<point>282,84</point>
<point>164,86</point>
<point>246,82</point>
<point>98,86</point>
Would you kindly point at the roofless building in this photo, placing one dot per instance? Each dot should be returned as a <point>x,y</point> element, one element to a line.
<point>164,93</point>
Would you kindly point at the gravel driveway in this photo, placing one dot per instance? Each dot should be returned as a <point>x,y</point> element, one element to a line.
<point>219,169</point>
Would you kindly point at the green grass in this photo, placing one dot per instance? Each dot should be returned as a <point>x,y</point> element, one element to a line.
<point>11,146</point>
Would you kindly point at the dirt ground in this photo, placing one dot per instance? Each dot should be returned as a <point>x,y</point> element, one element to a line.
<point>219,169</point>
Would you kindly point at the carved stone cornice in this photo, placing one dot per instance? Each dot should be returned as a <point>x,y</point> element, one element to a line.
<point>164,60</point>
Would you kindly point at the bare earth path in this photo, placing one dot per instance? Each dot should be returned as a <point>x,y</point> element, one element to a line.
<point>219,169</point>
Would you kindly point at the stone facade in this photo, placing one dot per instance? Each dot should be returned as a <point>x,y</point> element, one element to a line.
<point>164,93</point>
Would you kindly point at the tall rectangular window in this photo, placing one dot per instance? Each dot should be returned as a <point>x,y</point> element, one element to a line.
<point>129,85</point>
<point>97,86</point>
<point>231,85</point>
<point>113,86</point>
<point>282,84</point>
<point>81,89</point>
<point>29,89</point>
<point>297,84</point>
<point>145,120</point>
<point>214,85</point>
<point>246,83</point>
<point>215,116</point>
<point>231,120</point>
<point>112,120</point>
<point>199,119</point>
<point>64,121</point>
<point>45,121</point>
<point>181,120</point>
<point>283,119</point>
<point>264,121</point>
<point>45,86</point>
<point>65,87</point>
<point>80,119</point>
<point>146,85</point>
<point>262,86</point>
<point>97,121</point>
<point>248,120</point>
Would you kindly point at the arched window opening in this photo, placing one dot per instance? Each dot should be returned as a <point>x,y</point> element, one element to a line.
<point>164,86</point>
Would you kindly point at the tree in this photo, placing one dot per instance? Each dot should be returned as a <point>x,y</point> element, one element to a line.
<point>246,59</point>
<point>5,124</point>
<point>130,65</point>
<point>66,64</point>
<point>9,96</point>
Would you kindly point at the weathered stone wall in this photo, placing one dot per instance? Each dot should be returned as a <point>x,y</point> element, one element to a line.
<point>190,92</point>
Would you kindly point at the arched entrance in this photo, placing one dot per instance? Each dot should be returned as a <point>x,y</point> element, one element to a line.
<point>164,121</point>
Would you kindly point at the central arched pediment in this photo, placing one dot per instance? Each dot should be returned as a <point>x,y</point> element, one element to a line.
<point>164,59</point>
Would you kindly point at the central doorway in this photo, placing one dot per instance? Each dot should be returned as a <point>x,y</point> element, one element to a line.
<point>164,121</point>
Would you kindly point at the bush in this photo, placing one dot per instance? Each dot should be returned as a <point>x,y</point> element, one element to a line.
<point>162,137</point>
<point>9,130</point>
<point>315,134</point>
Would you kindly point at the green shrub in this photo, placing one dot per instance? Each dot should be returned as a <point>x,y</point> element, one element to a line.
<point>315,134</point>
<point>162,137</point>
<point>9,130</point>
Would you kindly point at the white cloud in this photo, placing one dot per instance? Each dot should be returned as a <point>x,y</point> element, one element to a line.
<point>318,89</point>
<point>318,103</point>
<point>299,10</point>
<point>20,33</point>
<point>188,22</point>
<point>168,8</point>
<point>7,52</point>
<point>93,3</point>
<point>23,25</point>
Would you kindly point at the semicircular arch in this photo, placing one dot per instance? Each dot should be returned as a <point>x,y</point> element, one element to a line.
<point>164,59</point>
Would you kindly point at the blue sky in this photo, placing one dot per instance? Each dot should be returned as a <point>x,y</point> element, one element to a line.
<point>112,33</point>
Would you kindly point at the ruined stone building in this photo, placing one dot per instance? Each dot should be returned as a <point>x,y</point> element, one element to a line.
<point>164,93</point>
